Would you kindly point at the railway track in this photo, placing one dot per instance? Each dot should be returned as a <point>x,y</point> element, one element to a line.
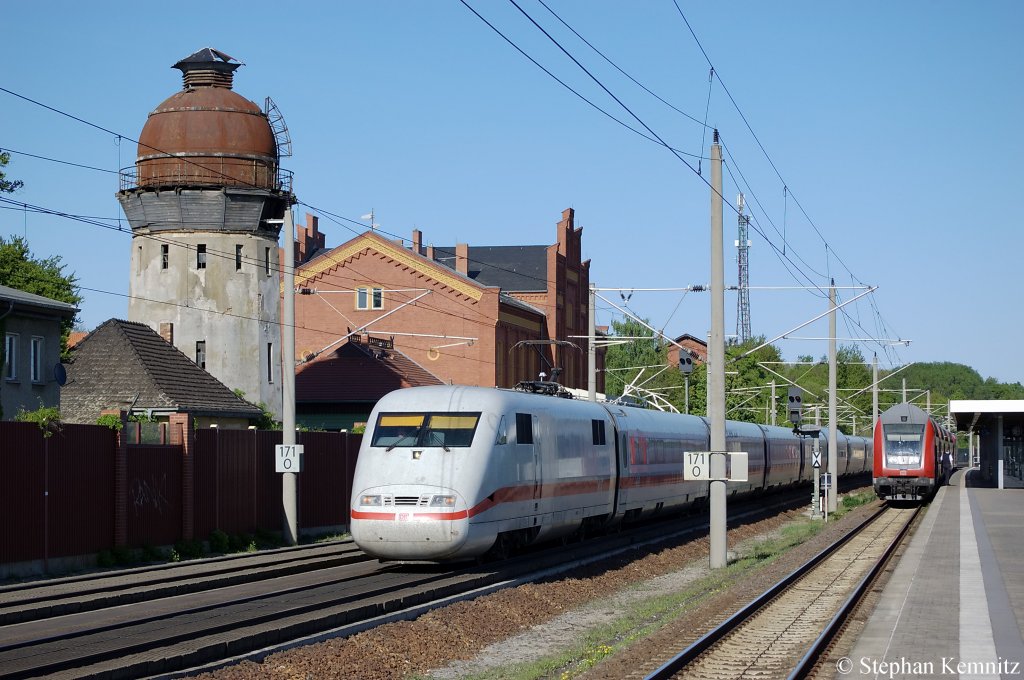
<point>783,633</point>
<point>168,618</point>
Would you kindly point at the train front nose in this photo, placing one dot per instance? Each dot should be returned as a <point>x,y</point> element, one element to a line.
<point>409,524</point>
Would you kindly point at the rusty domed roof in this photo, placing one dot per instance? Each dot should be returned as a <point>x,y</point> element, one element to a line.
<point>207,134</point>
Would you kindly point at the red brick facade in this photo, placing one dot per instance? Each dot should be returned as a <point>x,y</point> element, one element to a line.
<point>460,330</point>
<point>698,350</point>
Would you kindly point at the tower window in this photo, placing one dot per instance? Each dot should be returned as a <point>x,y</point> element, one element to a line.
<point>270,362</point>
<point>238,257</point>
<point>201,256</point>
<point>266,261</point>
<point>164,255</point>
<point>201,353</point>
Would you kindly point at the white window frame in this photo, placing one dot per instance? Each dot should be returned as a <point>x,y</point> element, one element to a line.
<point>369,297</point>
<point>11,356</point>
<point>201,256</point>
<point>37,350</point>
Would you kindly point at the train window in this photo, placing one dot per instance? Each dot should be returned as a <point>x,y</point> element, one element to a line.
<point>450,429</point>
<point>502,435</point>
<point>397,429</point>
<point>598,428</point>
<point>903,443</point>
<point>524,428</point>
<point>425,429</point>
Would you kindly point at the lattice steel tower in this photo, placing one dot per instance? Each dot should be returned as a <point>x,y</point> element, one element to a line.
<point>743,299</point>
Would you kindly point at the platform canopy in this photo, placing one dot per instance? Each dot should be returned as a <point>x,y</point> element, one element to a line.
<point>973,414</point>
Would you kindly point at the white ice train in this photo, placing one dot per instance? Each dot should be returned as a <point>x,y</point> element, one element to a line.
<point>450,472</point>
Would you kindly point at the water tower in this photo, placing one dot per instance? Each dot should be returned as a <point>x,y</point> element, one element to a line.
<point>203,200</point>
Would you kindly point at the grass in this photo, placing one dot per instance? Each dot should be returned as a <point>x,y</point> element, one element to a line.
<point>646,617</point>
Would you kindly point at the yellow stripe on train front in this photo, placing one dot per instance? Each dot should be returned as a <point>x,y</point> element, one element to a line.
<point>453,422</point>
<point>401,421</point>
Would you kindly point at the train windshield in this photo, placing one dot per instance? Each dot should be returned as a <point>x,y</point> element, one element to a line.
<point>903,443</point>
<point>425,429</point>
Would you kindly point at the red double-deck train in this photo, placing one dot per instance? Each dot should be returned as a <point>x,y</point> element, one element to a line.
<point>909,447</point>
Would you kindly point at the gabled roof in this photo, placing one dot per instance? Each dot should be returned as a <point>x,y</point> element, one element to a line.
<point>21,298</point>
<point>511,268</point>
<point>356,372</point>
<point>123,362</point>
<point>336,257</point>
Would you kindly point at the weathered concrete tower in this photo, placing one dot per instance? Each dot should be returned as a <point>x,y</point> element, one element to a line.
<point>201,200</point>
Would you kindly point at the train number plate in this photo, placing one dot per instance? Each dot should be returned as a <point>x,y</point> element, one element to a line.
<point>402,516</point>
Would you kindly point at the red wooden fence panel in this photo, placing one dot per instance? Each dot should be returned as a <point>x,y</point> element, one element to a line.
<point>154,495</point>
<point>81,489</point>
<point>325,484</point>
<point>22,499</point>
<point>57,493</point>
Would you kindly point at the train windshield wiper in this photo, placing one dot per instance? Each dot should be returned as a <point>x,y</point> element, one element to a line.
<point>413,438</point>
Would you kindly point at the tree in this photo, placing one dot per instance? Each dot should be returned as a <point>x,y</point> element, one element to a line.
<point>7,186</point>
<point>644,363</point>
<point>20,269</point>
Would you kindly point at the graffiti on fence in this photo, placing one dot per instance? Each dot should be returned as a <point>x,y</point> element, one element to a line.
<point>149,494</point>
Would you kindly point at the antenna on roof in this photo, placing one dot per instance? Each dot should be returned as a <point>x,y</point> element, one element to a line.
<point>369,216</point>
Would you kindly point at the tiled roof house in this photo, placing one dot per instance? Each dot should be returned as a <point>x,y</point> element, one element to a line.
<point>337,390</point>
<point>123,364</point>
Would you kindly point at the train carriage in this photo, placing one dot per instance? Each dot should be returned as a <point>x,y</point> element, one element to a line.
<point>451,472</point>
<point>908,449</point>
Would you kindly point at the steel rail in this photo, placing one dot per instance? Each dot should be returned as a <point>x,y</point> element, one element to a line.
<point>680,660</point>
<point>820,645</point>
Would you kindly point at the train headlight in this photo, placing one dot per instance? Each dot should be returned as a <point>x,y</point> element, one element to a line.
<point>369,500</point>
<point>442,502</point>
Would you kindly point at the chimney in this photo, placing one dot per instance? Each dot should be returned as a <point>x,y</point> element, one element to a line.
<point>417,241</point>
<point>462,258</point>
<point>167,331</point>
<point>430,252</point>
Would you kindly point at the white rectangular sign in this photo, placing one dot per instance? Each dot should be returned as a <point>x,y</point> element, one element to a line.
<point>697,466</point>
<point>288,457</point>
<point>816,457</point>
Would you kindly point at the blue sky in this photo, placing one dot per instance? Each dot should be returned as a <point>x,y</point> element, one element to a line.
<point>896,128</point>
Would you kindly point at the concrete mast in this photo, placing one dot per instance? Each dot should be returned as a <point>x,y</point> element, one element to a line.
<point>716,367</point>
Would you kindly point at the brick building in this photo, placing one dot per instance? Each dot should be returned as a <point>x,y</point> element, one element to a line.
<point>460,312</point>
<point>697,348</point>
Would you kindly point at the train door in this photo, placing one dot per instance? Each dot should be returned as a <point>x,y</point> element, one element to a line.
<point>527,454</point>
<point>804,447</point>
<point>538,461</point>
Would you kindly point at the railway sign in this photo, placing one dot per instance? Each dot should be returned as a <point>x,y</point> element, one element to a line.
<point>697,466</point>
<point>826,481</point>
<point>816,459</point>
<point>288,457</point>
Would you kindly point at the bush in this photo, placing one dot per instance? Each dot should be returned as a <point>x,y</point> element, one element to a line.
<point>151,554</point>
<point>240,542</point>
<point>104,558</point>
<point>219,541</point>
<point>46,417</point>
<point>110,420</point>
<point>123,555</point>
<point>188,550</point>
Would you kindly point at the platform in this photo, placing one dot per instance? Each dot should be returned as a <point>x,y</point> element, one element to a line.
<point>954,605</point>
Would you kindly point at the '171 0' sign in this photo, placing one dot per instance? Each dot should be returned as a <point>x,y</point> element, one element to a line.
<point>697,466</point>
<point>288,457</point>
